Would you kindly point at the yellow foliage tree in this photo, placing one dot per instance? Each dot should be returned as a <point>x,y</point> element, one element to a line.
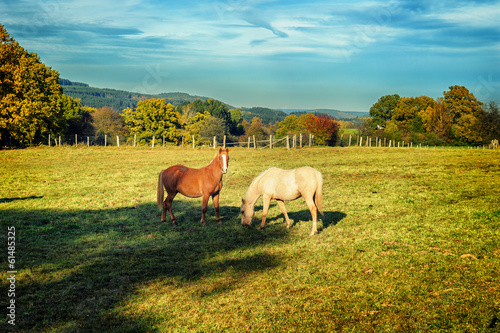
<point>153,117</point>
<point>30,95</point>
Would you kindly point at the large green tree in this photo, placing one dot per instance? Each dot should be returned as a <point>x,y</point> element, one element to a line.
<point>153,117</point>
<point>383,110</point>
<point>31,106</point>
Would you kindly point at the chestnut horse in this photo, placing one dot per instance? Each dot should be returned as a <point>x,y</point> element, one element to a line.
<point>193,183</point>
<point>284,185</point>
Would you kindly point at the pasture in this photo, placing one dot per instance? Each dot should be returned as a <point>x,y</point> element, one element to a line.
<point>409,242</point>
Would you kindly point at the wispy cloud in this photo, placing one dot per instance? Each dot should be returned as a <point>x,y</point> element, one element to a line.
<point>316,41</point>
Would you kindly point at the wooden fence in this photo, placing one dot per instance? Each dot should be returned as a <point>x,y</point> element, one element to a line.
<point>294,141</point>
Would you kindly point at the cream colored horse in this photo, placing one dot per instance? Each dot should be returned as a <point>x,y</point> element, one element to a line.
<point>284,185</point>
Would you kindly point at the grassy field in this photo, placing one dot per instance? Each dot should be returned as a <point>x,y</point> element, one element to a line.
<point>410,242</point>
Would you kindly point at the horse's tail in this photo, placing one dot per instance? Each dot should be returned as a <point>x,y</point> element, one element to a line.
<point>318,196</point>
<point>159,191</point>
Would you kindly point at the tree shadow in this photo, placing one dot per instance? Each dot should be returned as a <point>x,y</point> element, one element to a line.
<point>7,200</point>
<point>75,268</point>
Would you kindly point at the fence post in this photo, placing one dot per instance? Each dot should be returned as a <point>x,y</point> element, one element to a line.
<point>224,142</point>
<point>49,140</point>
<point>117,141</point>
<point>182,144</point>
<point>360,141</point>
<point>295,140</point>
<point>105,140</point>
<point>287,142</point>
<point>153,143</point>
<point>76,140</point>
<point>254,145</point>
<point>193,141</point>
<point>300,140</point>
<point>248,142</point>
<point>88,141</point>
<point>270,142</point>
<point>215,142</point>
<point>163,145</point>
<point>135,137</point>
<point>59,141</point>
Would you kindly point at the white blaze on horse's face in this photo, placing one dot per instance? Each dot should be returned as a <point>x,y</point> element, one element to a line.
<point>224,164</point>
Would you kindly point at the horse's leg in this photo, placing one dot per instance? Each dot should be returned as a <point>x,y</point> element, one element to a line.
<point>265,202</point>
<point>314,212</point>
<point>168,205</point>
<point>281,204</point>
<point>215,200</point>
<point>204,206</point>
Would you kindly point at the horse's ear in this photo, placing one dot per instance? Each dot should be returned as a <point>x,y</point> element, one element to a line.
<point>220,151</point>
<point>243,201</point>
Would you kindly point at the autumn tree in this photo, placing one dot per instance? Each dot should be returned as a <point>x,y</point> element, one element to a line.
<point>30,95</point>
<point>289,126</point>
<point>193,127</point>
<point>324,128</point>
<point>466,113</point>
<point>406,112</point>
<point>257,129</point>
<point>107,121</point>
<point>153,117</point>
<point>437,120</point>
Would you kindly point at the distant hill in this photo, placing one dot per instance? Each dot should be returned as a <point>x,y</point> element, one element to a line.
<point>337,114</point>
<point>118,99</point>
<point>267,115</point>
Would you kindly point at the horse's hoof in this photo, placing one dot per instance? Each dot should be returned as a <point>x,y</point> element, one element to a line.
<point>260,227</point>
<point>313,233</point>
<point>220,222</point>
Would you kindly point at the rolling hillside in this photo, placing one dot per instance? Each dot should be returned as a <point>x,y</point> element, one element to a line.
<point>120,99</point>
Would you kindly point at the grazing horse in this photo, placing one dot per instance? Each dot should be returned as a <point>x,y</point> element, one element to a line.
<point>284,185</point>
<point>193,183</point>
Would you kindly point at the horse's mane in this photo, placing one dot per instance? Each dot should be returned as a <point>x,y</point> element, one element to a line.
<point>256,180</point>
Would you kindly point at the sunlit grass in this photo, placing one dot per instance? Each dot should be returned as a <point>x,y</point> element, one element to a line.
<point>409,242</point>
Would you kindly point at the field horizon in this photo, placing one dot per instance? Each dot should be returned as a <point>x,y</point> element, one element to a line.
<point>409,242</point>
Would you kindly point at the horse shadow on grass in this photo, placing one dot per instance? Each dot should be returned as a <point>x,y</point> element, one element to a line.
<point>328,218</point>
<point>78,270</point>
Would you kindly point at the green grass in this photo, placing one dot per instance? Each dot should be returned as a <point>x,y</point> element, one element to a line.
<point>410,242</point>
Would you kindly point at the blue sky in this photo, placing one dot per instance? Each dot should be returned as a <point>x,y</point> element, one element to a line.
<point>279,54</point>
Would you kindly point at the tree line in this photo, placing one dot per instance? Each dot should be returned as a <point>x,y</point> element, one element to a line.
<point>456,118</point>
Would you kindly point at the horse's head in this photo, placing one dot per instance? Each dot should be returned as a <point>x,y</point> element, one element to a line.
<point>247,212</point>
<point>224,159</point>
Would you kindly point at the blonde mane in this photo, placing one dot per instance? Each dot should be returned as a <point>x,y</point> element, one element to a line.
<point>255,182</point>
